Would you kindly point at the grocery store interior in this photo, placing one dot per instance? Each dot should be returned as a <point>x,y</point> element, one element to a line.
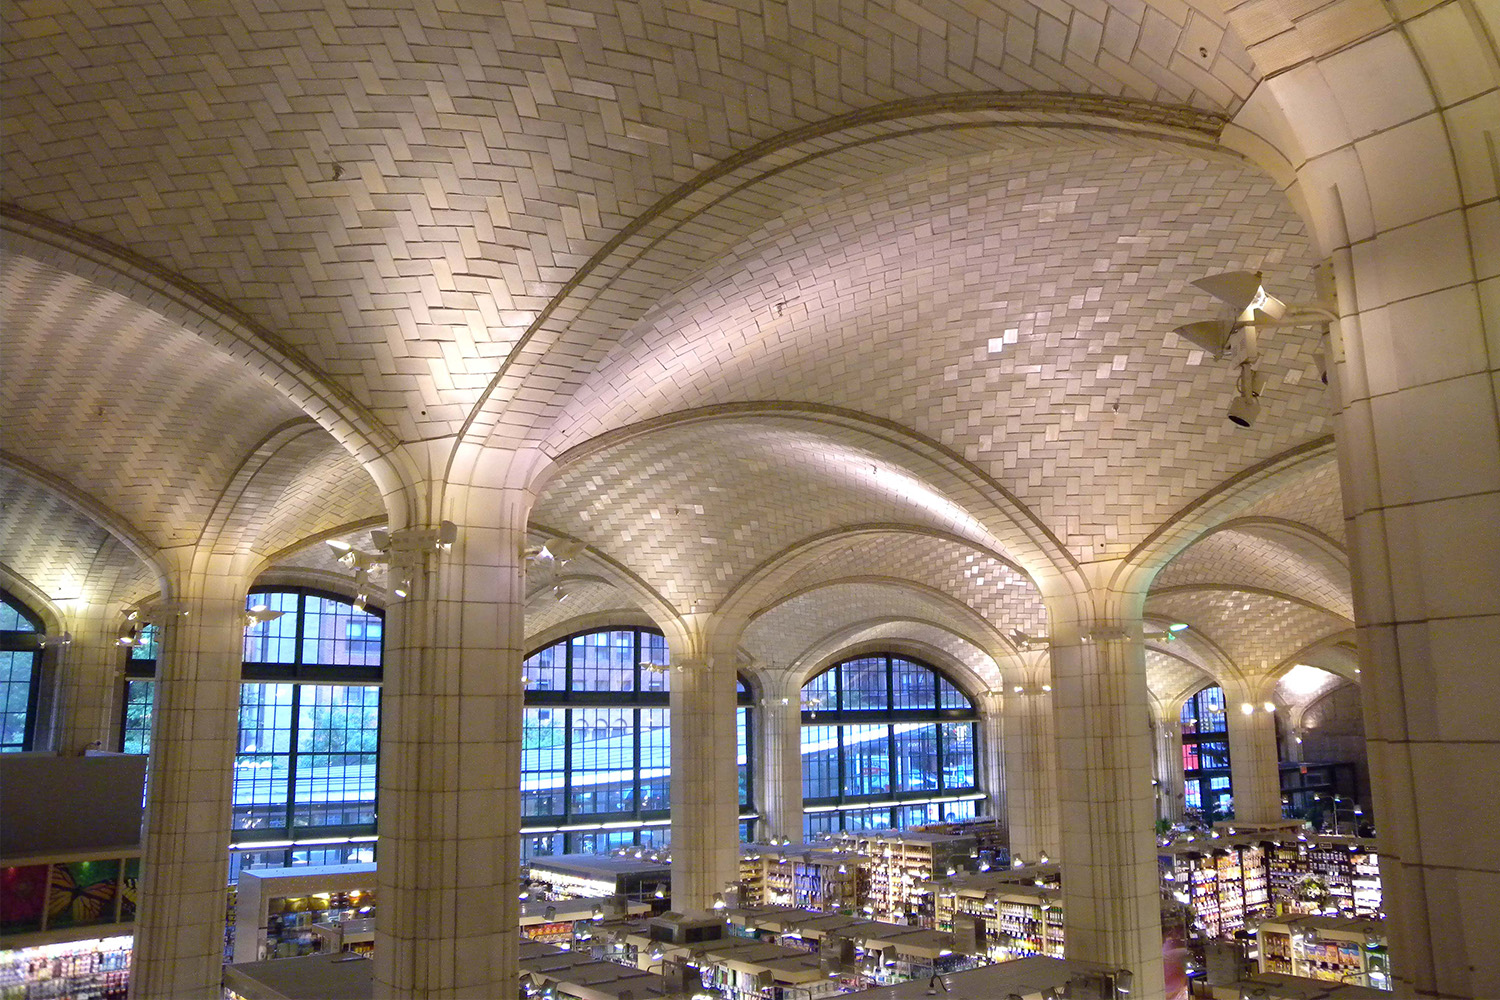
<point>745,500</point>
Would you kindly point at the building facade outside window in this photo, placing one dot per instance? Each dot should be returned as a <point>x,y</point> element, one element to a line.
<point>888,742</point>
<point>21,638</point>
<point>596,750</point>
<point>1206,788</point>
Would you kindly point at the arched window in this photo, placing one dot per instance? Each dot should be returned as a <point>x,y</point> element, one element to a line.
<point>887,742</point>
<point>309,726</point>
<point>1206,787</point>
<point>21,637</point>
<point>596,751</point>
<point>744,729</point>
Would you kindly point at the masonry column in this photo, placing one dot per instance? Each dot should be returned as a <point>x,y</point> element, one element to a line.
<point>179,928</point>
<point>1419,460</point>
<point>1031,792</point>
<point>1254,762</point>
<point>1110,883</point>
<point>450,752</point>
<point>90,681</point>
<point>1169,773</point>
<point>990,754</point>
<point>705,782</point>
<point>781,759</point>
<point>1394,171</point>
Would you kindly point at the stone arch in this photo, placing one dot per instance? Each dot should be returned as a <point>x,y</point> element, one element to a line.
<point>221,326</point>
<point>698,197</point>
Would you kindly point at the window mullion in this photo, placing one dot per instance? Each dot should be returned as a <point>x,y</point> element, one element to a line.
<point>636,757</point>
<point>291,765</point>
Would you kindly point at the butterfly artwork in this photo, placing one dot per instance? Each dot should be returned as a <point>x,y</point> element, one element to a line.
<point>82,892</point>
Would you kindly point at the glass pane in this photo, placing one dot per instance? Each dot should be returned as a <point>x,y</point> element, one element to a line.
<point>1213,754</point>
<point>603,773</point>
<point>820,762</point>
<point>867,760</point>
<point>540,845</point>
<point>814,825</point>
<point>13,618</point>
<point>139,695</point>
<point>953,812</point>
<point>867,819</point>
<point>913,685</point>
<point>654,652</point>
<point>599,841</point>
<point>338,736</point>
<point>604,661</point>
<point>273,641</point>
<point>335,634</point>
<point>742,752</point>
<point>544,733</point>
<point>1211,710</point>
<point>343,854</point>
<point>15,697</point>
<point>958,756</point>
<point>262,766</point>
<point>821,693</point>
<point>545,669</point>
<point>862,684</point>
<point>656,758</point>
<point>916,814</point>
<point>145,646</point>
<point>951,697</point>
<point>254,860</point>
<point>916,757</point>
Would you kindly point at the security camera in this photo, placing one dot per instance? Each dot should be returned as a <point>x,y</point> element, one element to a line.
<point>1320,358</point>
<point>1244,410</point>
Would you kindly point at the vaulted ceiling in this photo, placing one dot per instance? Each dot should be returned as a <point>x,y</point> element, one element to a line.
<point>833,317</point>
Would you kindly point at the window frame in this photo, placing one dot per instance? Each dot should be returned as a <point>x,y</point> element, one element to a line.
<point>19,641</point>
<point>300,674</point>
<point>572,825</point>
<point>1192,744</point>
<point>839,718</point>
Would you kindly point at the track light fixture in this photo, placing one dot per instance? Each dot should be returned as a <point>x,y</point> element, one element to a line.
<point>260,613</point>
<point>1026,641</point>
<point>1235,336</point>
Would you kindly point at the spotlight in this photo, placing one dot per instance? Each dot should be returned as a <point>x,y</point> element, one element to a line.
<point>1244,410</point>
<point>1246,406</point>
